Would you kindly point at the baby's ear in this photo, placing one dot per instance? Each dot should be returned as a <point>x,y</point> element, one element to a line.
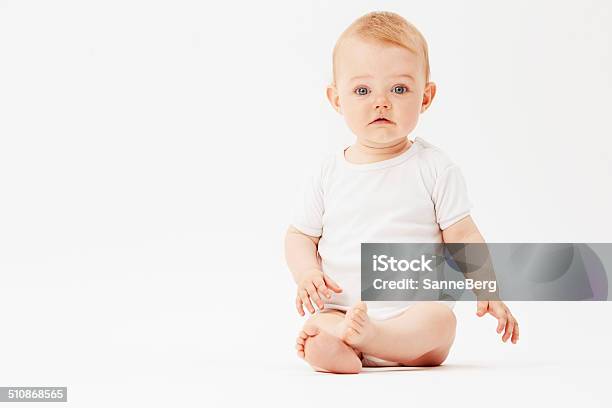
<point>428,95</point>
<point>334,99</point>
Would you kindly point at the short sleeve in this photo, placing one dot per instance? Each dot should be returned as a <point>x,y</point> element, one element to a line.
<point>307,212</point>
<point>450,197</point>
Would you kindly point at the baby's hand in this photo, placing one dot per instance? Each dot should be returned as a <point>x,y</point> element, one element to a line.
<point>505,320</point>
<point>313,286</point>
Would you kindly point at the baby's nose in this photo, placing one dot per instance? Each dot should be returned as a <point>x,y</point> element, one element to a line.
<point>382,103</point>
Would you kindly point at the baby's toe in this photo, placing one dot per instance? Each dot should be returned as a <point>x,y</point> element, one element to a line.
<point>309,330</point>
<point>300,349</point>
<point>358,316</point>
<point>356,326</point>
<point>361,307</point>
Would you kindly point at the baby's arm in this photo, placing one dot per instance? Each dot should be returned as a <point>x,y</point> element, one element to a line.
<point>465,231</point>
<point>303,262</point>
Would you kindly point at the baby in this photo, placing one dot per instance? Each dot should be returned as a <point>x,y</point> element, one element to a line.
<point>383,188</point>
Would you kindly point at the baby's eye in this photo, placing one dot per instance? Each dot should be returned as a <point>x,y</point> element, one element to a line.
<point>400,89</point>
<point>359,90</point>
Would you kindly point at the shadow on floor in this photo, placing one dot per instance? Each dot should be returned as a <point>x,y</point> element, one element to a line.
<point>444,367</point>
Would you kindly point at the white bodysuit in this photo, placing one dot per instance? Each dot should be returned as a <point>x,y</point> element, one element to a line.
<point>409,198</point>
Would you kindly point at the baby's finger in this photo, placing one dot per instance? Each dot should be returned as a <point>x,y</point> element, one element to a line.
<point>515,334</point>
<point>322,296</point>
<point>509,329</point>
<point>329,282</point>
<point>314,296</point>
<point>321,288</point>
<point>481,309</point>
<point>298,305</point>
<point>306,301</point>
<point>501,323</point>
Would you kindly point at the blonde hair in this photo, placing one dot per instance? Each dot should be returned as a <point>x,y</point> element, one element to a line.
<point>389,28</point>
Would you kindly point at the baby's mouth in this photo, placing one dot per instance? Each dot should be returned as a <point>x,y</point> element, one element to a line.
<point>381,121</point>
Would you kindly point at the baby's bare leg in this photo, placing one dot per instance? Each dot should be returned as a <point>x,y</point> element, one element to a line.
<point>420,336</point>
<point>320,345</point>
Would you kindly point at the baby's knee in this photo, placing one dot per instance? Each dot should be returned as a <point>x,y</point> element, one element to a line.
<point>436,357</point>
<point>445,318</point>
<point>449,315</point>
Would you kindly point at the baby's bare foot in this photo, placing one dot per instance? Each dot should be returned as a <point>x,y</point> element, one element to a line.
<point>325,352</point>
<point>357,328</point>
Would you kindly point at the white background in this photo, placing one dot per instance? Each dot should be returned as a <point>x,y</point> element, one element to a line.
<point>150,152</point>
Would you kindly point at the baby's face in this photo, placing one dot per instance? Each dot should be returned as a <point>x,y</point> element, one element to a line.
<point>374,79</point>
